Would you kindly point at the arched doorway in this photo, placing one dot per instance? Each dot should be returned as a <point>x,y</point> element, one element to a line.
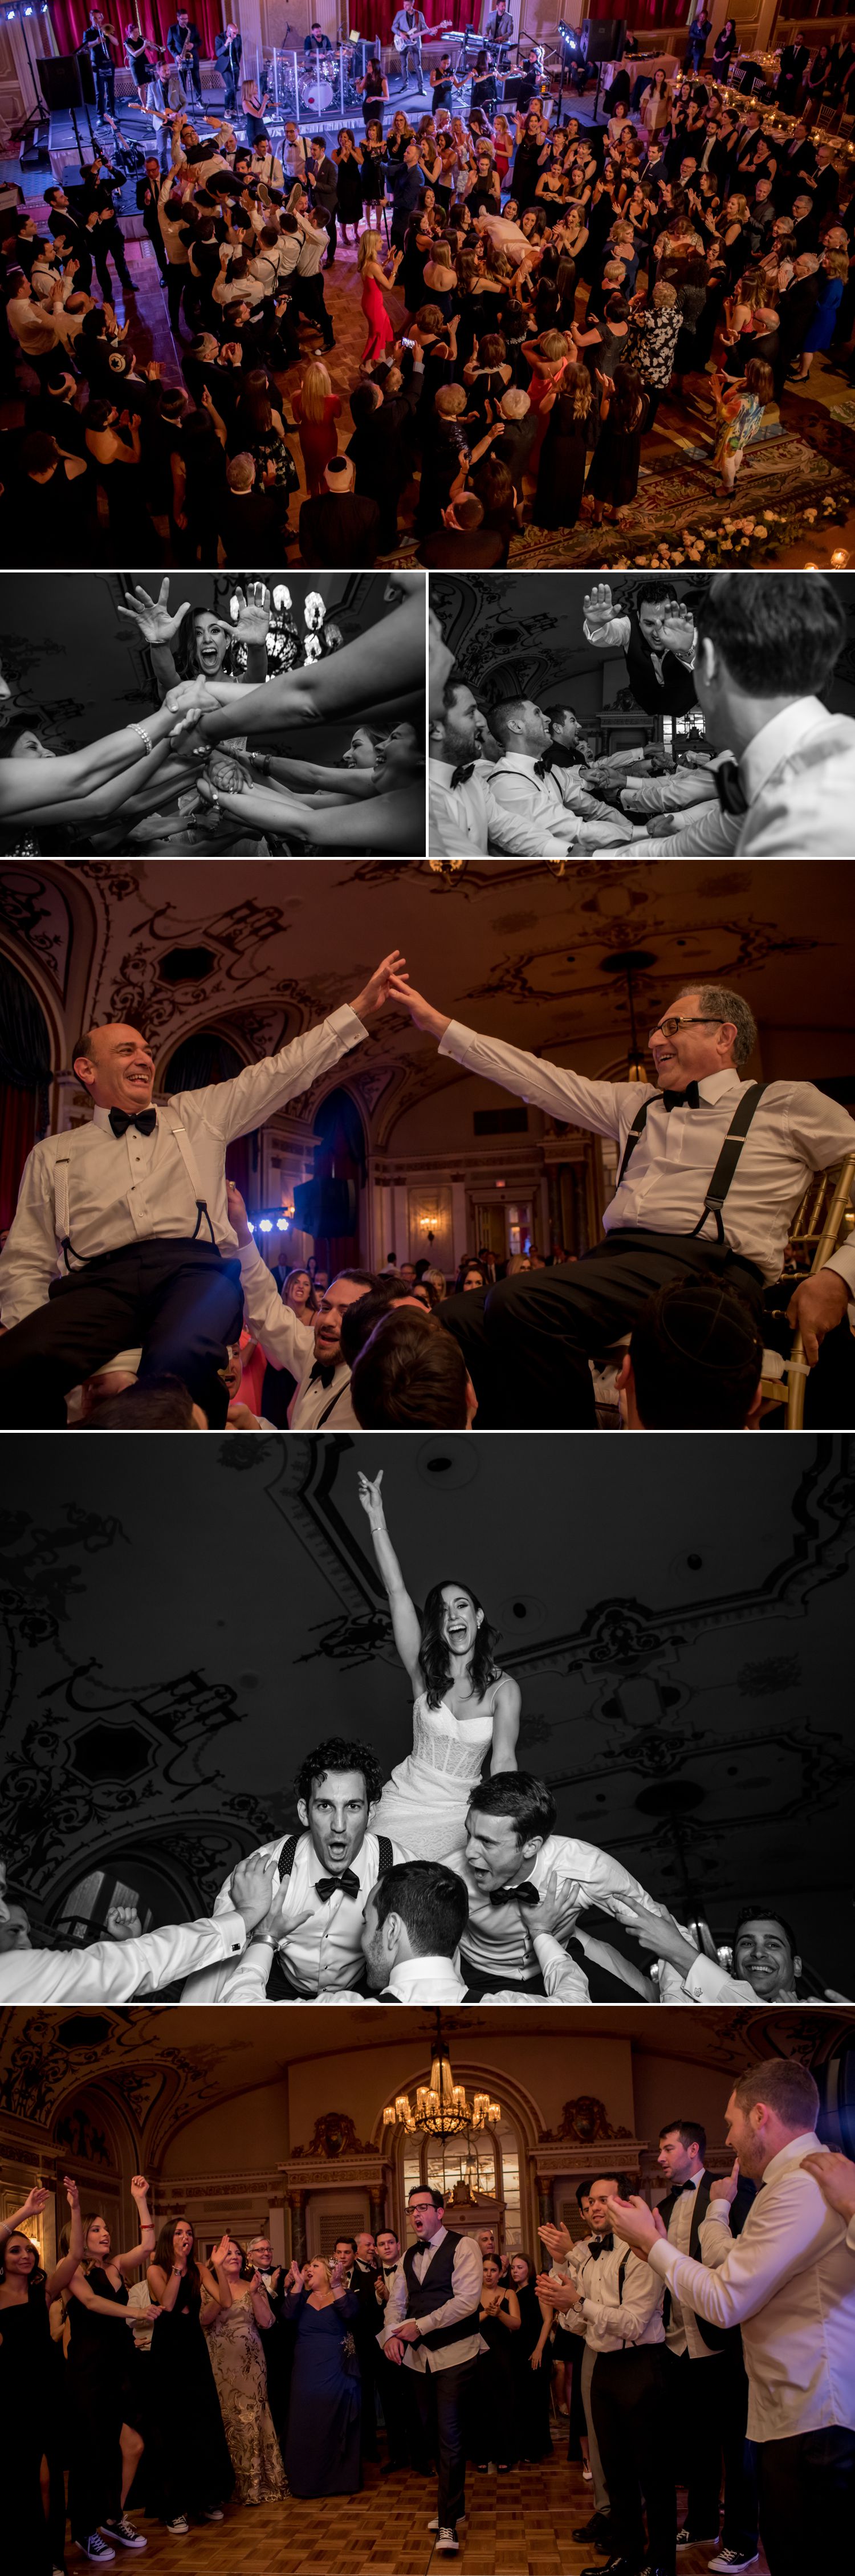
<point>339,1158</point>
<point>25,1071</point>
<point>202,1058</point>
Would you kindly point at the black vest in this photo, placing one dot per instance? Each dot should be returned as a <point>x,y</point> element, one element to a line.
<point>435,2291</point>
<point>675,694</point>
<point>717,2338</point>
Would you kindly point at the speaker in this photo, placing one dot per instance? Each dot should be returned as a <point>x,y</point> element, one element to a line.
<point>324,1208</point>
<point>603,39</point>
<point>61,81</point>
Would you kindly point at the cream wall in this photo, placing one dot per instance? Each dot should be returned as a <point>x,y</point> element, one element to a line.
<point>252,2129</point>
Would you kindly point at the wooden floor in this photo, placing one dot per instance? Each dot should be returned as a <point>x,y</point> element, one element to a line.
<point>518,2525</point>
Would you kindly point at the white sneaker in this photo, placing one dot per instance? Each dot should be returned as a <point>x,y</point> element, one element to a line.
<point>178,2524</point>
<point>436,2525</point>
<point>447,2542</point>
<point>215,2514</point>
<point>729,2562</point>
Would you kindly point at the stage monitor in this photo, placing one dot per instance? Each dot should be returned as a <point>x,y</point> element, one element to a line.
<point>325,1207</point>
<point>60,79</point>
<point>603,39</point>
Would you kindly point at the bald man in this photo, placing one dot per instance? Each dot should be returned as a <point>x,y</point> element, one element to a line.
<point>122,1234</point>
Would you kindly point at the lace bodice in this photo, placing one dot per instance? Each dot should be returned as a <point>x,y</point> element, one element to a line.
<point>441,1743</point>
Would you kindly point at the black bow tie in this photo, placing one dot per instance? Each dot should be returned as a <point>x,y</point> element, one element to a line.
<point>600,2245</point>
<point>688,1099</point>
<point>323,1373</point>
<point>144,1119</point>
<point>682,2186</point>
<point>540,769</point>
<point>526,1894</point>
<point>729,789</point>
<point>462,772</point>
<point>348,1883</point>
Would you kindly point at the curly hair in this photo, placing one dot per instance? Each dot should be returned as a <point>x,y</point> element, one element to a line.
<point>338,1753</point>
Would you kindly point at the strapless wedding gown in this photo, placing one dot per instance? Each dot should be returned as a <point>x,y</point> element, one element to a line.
<point>423,1806</point>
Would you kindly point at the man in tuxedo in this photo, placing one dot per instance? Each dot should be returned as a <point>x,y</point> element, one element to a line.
<point>431,2329</point>
<point>279,2343</point>
<point>185,43</point>
<point>358,2258</point>
<point>709,2412</point>
<point>228,50</point>
<point>393,2384</point>
<point>414,1921</point>
<point>309,1946</point>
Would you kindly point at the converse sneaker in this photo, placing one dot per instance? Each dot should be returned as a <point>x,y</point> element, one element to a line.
<point>435,2524</point>
<point>729,2562</point>
<point>124,2532</point>
<point>447,2542</point>
<point>178,2525</point>
<point>94,2547</point>
<point>687,2539</point>
<point>214,2514</point>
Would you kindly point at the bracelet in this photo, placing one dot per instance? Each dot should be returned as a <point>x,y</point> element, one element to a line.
<point>143,735</point>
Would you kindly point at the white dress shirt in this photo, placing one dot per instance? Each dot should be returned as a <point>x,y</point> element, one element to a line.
<point>466,2279</point>
<point>520,794</point>
<point>608,2320</point>
<point>788,2282</point>
<point>113,1971</point>
<point>500,1939</point>
<point>132,1188</point>
<point>707,1982</point>
<point>326,1953</point>
<point>467,820</point>
<point>438,1981</point>
<point>291,1345</point>
<point>682,2333</point>
<point>799,778</point>
<point>796,1132</point>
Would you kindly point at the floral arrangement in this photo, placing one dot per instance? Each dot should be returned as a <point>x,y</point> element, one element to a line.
<point>736,540</point>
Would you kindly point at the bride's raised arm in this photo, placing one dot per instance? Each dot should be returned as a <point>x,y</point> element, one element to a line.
<point>506,1725</point>
<point>405,1622</point>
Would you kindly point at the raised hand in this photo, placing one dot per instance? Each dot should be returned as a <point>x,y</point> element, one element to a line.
<point>422,1013</point>
<point>71,2190</point>
<point>597,607</point>
<point>156,622</point>
<point>557,2240</point>
<point>379,985</point>
<point>237,1213</point>
<point>139,2188</point>
<point>677,630</point>
<point>371,1497</point>
<point>727,2185</point>
<point>35,2202</point>
<point>123,1923</point>
<point>219,2252</point>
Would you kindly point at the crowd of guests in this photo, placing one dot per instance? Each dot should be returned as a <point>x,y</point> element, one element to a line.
<point>557,281</point>
<point>339,1910</point>
<point>170,2383</point>
<point>213,767</point>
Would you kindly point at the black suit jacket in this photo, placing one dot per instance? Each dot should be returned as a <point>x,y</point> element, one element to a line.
<point>717,2338</point>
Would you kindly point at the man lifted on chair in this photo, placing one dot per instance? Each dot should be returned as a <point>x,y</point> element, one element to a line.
<point>711,1171</point>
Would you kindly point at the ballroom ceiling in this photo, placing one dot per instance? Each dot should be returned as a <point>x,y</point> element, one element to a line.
<point>260,950</point>
<point>529,628</point>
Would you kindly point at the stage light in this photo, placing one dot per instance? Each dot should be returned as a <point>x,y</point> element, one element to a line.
<point>282,1224</point>
<point>251,1224</point>
<point>265,1225</point>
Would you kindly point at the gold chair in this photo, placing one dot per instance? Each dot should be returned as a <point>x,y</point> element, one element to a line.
<point>819,1227</point>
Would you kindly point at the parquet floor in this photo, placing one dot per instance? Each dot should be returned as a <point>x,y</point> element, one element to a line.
<point>518,2525</point>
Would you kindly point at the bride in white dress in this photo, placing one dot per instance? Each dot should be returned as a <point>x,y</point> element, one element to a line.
<point>465,1706</point>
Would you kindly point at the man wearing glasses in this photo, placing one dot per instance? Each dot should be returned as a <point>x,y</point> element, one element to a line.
<point>710,1171</point>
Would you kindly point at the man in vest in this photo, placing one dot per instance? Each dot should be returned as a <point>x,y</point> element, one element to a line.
<point>709,2415</point>
<point>656,632</point>
<point>431,2328</point>
<point>121,1234</point>
<point>309,1946</point>
<point>711,1170</point>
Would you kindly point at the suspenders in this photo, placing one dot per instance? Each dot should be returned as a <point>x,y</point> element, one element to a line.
<point>62,1216</point>
<point>728,1158</point>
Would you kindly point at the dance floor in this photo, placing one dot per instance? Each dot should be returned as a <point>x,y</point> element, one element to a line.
<point>518,2525</point>
<point>808,460</point>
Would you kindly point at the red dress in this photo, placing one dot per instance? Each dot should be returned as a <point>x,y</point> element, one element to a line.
<point>318,439</point>
<point>379,326</point>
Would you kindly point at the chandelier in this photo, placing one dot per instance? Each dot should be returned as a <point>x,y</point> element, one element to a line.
<point>557,867</point>
<point>446,867</point>
<point>441,2108</point>
<point>629,962</point>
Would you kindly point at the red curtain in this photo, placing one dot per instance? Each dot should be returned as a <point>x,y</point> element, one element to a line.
<point>17,1138</point>
<point>155,17</point>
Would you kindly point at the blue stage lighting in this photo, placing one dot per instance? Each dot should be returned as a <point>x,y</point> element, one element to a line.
<point>265,1225</point>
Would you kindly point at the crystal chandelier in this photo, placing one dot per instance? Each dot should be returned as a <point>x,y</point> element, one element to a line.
<point>441,2109</point>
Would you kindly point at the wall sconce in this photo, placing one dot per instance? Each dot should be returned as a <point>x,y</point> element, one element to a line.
<point>446,867</point>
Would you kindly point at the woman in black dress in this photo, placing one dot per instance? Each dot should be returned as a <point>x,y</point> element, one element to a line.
<point>31,2389</point>
<point>347,156</point>
<point>563,456</point>
<point>190,2469</point>
<point>373,181</point>
<point>105,2413</point>
<point>492,2429</point>
<point>616,464</point>
<point>531,2357</point>
<point>526,169</point>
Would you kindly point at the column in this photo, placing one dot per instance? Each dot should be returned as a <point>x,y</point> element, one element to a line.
<point>297,2205</point>
<point>545,2204</point>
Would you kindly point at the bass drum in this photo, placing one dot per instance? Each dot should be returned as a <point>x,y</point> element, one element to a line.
<point>317,97</point>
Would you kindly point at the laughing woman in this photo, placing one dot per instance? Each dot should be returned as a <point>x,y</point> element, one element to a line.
<point>465,1706</point>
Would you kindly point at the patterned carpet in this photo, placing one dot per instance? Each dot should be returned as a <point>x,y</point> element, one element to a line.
<point>675,492</point>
